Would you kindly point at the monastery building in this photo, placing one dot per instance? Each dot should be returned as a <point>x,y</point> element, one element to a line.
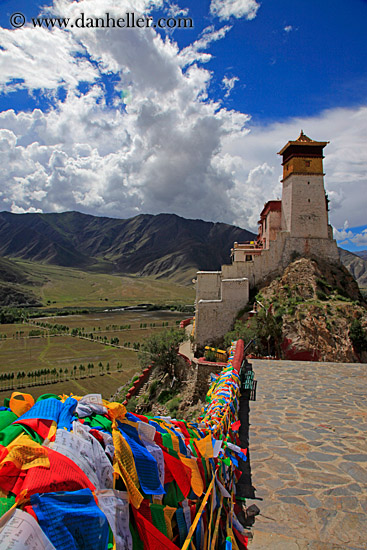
<point>295,226</point>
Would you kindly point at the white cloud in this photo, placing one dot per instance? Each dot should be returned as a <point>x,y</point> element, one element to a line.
<point>173,10</point>
<point>344,163</point>
<point>342,234</point>
<point>192,53</point>
<point>354,236</point>
<point>18,210</point>
<point>157,153</point>
<point>229,84</point>
<point>360,239</point>
<point>224,9</point>
<point>288,28</point>
<point>169,148</point>
<point>41,59</point>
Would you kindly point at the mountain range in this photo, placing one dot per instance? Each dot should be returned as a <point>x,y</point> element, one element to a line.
<point>164,245</point>
<point>161,246</point>
<point>356,263</point>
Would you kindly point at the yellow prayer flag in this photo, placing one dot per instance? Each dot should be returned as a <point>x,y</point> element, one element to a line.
<point>205,446</point>
<point>26,453</point>
<point>196,479</point>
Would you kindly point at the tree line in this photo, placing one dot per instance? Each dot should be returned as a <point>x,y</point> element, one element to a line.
<point>39,377</point>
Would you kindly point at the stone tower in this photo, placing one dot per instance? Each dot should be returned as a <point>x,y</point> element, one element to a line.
<point>304,206</point>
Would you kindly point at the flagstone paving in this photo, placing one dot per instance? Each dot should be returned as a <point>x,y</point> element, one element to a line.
<point>308,455</point>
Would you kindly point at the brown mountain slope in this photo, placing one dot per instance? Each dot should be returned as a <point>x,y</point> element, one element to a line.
<point>15,285</point>
<point>165,245</point>
<point>356,265</point>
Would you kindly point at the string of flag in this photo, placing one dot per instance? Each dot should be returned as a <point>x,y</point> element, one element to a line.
<point>82,472</point>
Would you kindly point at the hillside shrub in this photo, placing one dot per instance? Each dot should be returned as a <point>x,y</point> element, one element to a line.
<point>321,295</point>
<point>153,388</point>
<point>173,405</point>
<point>162,349</point>
<point>131,405</point>
<point>358,336</point>
<point>165,396</point>
<point>210,355</point>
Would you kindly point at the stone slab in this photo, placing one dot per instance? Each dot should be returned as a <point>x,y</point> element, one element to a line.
<point>309,456</point>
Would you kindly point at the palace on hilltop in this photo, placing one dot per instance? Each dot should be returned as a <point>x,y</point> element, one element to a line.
<point>295,226</point>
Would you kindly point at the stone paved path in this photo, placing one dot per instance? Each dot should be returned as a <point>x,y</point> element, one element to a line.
<point>308,452</point>
<point>185,347</point>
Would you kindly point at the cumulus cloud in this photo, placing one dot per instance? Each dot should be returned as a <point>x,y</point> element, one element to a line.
<point>288,28</point>
<point>158,152</point>
<point>360,239</point>
<point>170,148</point>
<point>344,163</point>
<point>224,9</point>
<point>351,236</point>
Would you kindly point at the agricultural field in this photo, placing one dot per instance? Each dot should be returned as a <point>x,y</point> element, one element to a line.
<point>15,330</point>
<point>69,287</point>
<point>63,355</point>
<point>102,320</point>
<point>106,384</point>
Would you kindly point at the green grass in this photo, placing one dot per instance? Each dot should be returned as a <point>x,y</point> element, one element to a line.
<point>68,287</point>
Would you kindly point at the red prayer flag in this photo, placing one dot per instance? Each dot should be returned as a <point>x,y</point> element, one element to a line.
<point>180,472</point>
<point>241,539</point>
<point>63,475</point>
<point>40,426</point>
<point>236,426</point>
<point>151,537</point>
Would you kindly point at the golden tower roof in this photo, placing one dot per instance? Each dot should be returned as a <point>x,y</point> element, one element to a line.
<point>303,140</point>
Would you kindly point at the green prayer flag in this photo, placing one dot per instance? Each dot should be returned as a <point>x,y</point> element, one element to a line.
<point>6,504</point>
<point>6,418</point>
<point>167,441</point>
<point>8,434</point>
<point>157,512</point>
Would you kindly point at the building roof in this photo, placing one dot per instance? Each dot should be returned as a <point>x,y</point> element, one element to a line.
<point>303,140</point>
<point>271,206</point>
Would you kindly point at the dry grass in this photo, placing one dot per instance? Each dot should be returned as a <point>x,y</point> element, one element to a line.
<point>106,385</point>
<point>69,287</point>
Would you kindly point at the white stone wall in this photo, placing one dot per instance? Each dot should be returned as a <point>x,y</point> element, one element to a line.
<point>273,225</point>
<point>304,208</point>
<point>208,285</point>
<point>310,248</point>
<point>213,318</point>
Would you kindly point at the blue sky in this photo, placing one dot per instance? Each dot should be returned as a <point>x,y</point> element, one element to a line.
<point>119,122</point>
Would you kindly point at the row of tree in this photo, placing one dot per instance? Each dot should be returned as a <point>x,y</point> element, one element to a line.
<point>21,379</point>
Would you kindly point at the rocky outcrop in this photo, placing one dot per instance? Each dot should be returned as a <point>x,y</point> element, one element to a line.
<point>318,303</point>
